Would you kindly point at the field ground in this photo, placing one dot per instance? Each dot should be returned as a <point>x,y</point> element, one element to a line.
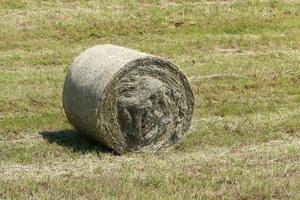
<point>243,60</point>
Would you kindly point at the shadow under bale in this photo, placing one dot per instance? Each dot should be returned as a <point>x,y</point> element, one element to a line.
<point>75,141</point>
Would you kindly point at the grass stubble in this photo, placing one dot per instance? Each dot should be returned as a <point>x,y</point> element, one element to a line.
<point>242,58</point>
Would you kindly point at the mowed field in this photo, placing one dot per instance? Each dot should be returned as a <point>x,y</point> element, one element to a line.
<point>243,61</point>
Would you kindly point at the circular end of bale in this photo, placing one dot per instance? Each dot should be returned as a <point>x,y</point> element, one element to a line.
<point>146,106</point>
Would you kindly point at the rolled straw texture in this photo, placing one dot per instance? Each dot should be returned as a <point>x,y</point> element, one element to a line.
<point>127,100</point>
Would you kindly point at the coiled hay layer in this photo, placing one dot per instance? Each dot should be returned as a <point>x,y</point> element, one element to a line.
<point>127,100</point>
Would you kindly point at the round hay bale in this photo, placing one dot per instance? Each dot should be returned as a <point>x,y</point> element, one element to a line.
<point>127,100</point>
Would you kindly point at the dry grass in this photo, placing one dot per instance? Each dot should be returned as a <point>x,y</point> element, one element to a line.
<point>244,64</point>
